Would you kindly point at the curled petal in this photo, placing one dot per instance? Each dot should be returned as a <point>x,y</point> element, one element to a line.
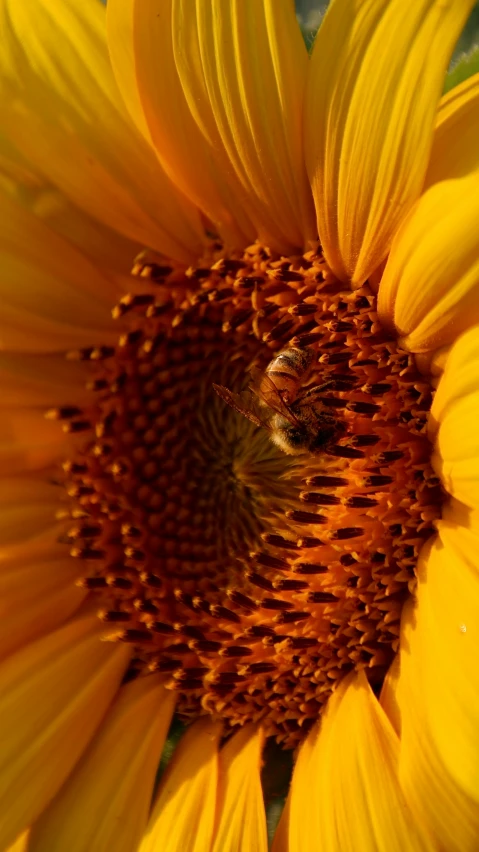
<point>437,760</point>
<point>454,417</point>
<point>429,290</point>
<point>454,151</point>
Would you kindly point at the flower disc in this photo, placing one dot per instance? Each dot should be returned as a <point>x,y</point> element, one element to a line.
<point>253,579</point>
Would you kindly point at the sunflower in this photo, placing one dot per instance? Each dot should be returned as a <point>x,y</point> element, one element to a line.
<point>287,565</point>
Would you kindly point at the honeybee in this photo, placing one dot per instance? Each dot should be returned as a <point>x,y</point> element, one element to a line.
<point>296,419</point>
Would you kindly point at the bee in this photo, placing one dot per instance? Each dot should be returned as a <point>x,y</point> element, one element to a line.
<point>295,419</point>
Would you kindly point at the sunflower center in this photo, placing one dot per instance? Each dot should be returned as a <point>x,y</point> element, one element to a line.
<point>255,543</point>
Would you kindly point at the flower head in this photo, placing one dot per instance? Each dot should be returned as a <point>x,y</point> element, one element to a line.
<point>241,285</point>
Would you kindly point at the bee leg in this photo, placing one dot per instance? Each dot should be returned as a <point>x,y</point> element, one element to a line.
<point>312,392</point>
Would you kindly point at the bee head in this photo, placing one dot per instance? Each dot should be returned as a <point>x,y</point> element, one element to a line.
<point>302,436</point>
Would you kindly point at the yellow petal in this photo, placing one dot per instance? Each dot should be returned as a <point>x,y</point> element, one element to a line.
<point>388,699</point>
<point>51,297</point>
<point>35,598</point>
<point>345,796</point>
<point>29,442</point>
<point>14,168</point>
<point>295,833</point>
<point>21,843</point>
<point>27,508</point>
<point>448,636</point>
<point>61,108</point>
<point>241,820</point>
<point>459,378</point>
<point>454,416</point>
<point>429,289</point>
<point>42,547</point>
<point>183,816</point>
<point>145,30</point>
<point>38,589</point>
<point>120,20</point>
<point>435,799</point>
<point>243,67</point>
<point>375,82</point>
<point>454,150</point>
<point>107,248</point>
<point>105,802</point>
<point>433,364</point>
<point>104,247</point>
<point>54,694</point>
<point>46,380</point>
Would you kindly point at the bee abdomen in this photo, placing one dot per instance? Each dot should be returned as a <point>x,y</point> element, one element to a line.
<point>286,371</point>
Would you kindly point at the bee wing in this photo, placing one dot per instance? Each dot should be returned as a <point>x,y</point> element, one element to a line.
<point>267,391</point>
<point>241,405</point>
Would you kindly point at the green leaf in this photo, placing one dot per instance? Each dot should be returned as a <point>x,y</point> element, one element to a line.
<point>275,779</point>
<point>466,65</point>
<point>175,733</point>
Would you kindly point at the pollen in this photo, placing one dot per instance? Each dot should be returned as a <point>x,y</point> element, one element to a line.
<point>253,579</point>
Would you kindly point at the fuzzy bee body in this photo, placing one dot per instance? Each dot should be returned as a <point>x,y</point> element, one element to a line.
<point>295,418</point>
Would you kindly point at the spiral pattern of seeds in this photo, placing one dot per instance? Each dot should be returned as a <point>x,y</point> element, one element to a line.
<point>253,580</point>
